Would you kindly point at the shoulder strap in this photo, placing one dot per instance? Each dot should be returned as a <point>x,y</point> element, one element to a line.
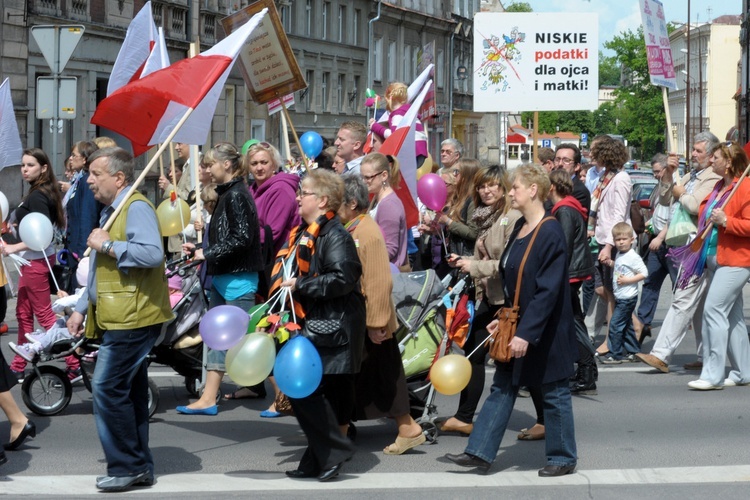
<point>525,255</point>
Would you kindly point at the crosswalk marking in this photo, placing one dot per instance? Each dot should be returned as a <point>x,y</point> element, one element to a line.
<point>277,482</point>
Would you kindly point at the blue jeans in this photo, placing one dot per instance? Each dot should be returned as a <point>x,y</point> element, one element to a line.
<point>622,339</point>
<point>120,393</point>
<point>215,359</point>
<point>659,267</point>
<point>493,418</point>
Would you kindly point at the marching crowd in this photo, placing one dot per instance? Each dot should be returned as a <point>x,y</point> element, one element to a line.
<point>556,240</point>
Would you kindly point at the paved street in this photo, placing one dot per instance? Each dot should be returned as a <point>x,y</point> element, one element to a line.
<point>645,435</point>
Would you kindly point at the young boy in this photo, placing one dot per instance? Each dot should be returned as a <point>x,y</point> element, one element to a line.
<point>629,269</point>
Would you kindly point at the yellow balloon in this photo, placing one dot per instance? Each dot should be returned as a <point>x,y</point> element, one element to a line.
<point>426,167</point>
<point>173,216</point>
<point>450,374</point>
<point>251,360</point>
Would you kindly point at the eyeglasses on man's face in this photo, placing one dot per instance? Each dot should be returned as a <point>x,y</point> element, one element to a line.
<point>564,161</point>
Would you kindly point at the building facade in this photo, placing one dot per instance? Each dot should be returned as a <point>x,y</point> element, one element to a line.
<point>713,60</point>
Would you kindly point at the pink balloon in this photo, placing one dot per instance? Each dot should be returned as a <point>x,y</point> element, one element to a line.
<point>433,192</point>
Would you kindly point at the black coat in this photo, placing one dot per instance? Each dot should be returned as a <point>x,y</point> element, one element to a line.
<point>581,193</point>
<point>233,234</point>
<point>581,265</point>
<point>546,315</point>
<point>331,291</point>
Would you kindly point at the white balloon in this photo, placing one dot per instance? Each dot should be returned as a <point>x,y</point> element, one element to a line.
<point>4,207</point>
<point>36,231</point>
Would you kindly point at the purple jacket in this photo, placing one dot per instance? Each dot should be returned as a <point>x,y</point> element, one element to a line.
<point>394,118</point>
<point>276,201</point>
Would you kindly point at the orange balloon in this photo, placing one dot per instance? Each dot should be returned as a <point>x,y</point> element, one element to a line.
<point>450,374</point>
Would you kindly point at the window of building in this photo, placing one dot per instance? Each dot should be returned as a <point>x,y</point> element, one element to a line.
<point>310,77</point>
<point>342,24</point>
<point>286,17</point>
<point>377,55</point>
<point>326,19</point>
<point>355,26</point>
<point>357,91</point>
<point>308,17</point>
<point>408,70</point>
<point>513,151</point>
<point>392,61</point>
<point>324,92</point>
<point>341,92</point>
<point>439,69</point>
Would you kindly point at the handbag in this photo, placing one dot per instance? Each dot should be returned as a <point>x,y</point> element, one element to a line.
<point>681,229</point>
<point>507,317</point>
<point>326,333</point>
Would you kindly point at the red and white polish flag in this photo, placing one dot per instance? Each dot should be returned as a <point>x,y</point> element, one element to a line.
<point>147,110</point>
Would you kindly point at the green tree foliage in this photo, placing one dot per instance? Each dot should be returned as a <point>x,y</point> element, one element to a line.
<point>609,70</point>
<point>519,7</point>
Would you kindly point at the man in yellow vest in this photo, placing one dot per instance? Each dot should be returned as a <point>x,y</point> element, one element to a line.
<point>127,303</point>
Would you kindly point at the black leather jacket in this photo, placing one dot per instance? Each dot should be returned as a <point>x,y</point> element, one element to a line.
<point>331,291</point>
<point>233,233</point>
<point>581,264</point>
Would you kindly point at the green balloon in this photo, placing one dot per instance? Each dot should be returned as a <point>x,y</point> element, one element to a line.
<point>248,145</point>
<point>369,93</point>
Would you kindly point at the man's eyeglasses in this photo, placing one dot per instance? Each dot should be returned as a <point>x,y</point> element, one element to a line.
<point>302,194</point>
<point>564,161</point>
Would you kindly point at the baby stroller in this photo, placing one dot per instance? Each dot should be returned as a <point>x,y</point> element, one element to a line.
<point>47,390</point>
<point>422,305</point>
<point>180,346</point>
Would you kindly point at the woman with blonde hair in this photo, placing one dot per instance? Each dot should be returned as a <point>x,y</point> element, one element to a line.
<point>386,207</point>
<point>232,256</point>
<point>494,220</point>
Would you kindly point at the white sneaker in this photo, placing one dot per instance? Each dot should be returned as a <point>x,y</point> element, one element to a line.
<point>702,385</point>
<point>26,351</point>
<point>728,382</point>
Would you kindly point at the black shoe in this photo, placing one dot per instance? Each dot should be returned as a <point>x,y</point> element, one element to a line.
<point>466,460</point>
<point>120,483</point>
<point>330,473</point>
<point>586,385</point>
<point>300,474</point>
<point>645,332</point>
<point>28,430</point>
<point>556,470</point>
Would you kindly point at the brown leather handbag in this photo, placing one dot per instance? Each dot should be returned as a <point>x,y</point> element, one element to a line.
<point>498,342</point>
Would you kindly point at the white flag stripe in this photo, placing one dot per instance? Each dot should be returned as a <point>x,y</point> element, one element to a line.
<point>413,89</point>
<point>135,49</point>
<point>11,149</point>
<point>158,58</point>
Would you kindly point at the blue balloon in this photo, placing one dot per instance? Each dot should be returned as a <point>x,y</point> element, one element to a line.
<point>312,144</point>
<point>298,369</point>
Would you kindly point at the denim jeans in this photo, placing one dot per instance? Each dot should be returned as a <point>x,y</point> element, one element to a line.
<point>622,339</point>
<point>215,359</point>
<point>490,425</point>
<point>659,267</point>
<point>120,393</point>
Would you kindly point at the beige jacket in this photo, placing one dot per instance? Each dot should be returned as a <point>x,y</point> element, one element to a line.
<point>485,268</point>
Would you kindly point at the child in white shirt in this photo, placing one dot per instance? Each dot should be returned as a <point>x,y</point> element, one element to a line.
<point>629,269</point>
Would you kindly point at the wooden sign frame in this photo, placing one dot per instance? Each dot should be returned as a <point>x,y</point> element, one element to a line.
<point>267,61</point>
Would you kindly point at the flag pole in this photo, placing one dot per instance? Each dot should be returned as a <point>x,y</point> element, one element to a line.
<point>161,162</point>
<point>145,172</point>
<point>294,132</point>
<point>194,51</point>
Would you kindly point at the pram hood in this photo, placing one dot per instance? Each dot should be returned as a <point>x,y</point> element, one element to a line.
<point>415,294</point>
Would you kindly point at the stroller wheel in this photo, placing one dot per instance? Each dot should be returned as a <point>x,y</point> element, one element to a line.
<point>153,397</point>
<point>191,384</point>
<point>48,394</point>
<point>430,431</point>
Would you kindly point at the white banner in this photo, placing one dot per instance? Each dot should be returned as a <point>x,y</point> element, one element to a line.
<point>658,48</point>
<point>535,61</point>
<point>274,105</point>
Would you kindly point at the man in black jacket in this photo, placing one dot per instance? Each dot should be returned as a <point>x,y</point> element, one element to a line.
<point>568,157</point>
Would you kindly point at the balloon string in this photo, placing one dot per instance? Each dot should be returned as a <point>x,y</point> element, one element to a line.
<point>182,220</point>
<point>54,280</point>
